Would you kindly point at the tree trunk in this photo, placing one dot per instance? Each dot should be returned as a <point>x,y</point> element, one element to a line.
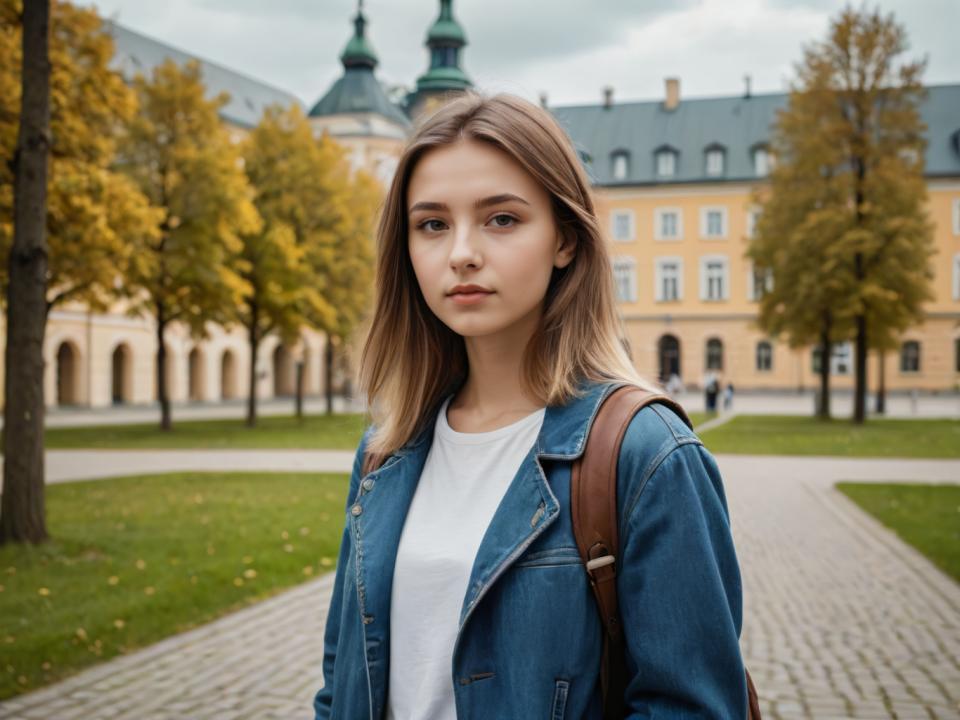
<point>328,374</point>
<point>860,359</point>
<point>826,349</point>
<point>882,389</point>
<point>165,420</point>
<point>22,512</point>
<point>299,401</point>
<point>254,342</point>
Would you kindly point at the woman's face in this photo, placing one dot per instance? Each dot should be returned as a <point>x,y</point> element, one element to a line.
<point>477,217</point>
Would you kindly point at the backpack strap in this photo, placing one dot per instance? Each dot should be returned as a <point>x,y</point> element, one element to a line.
<point>593,499</point>
<point>593,494</point>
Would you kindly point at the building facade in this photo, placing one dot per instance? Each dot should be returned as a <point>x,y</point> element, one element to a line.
<point>673,180</point>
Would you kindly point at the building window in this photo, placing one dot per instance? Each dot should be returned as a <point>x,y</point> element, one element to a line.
<point>956,276</point>
<point>713,222</point>
<point>623,225</point>
<point>753,214</point>
<point>621,165</point>
<point>714,161</point>
<point>956,216</point>
<point>956,355</point>
<point>910,357</point>
<point>669,279</point>
<point>761,282</point>
<point>666,162</point>
<point>762,161</point>
<point>714,354</point>
<point>713,277</point>
<point>625,278</point>
<point>764,356</point>
<point>839,361</point>
<point>667,224</point>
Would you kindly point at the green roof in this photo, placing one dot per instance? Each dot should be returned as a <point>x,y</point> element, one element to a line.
<point>445,29</point>
<point>358,51</point>
<point>735,124</point>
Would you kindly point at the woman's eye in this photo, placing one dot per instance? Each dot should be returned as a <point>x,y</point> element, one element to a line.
<point>431,225</point>
<point>504,220</point>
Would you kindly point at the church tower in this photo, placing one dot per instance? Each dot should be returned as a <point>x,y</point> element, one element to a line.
<point>445,40</point>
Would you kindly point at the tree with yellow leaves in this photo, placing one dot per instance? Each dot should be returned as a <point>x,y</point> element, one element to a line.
<point>844,227</point>
<point>86,217</point>
<point>301,194</point>
<point>179,154</point>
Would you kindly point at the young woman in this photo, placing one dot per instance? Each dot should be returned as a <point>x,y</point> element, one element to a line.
<point>459,590</point>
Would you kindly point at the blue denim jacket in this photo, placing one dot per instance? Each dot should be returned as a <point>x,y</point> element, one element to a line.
<point>530,636</point>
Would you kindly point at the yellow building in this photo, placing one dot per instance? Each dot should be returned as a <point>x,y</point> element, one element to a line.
<point>674,179</point>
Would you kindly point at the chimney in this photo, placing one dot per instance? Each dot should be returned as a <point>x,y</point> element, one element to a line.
<point>607,97</point>
<point>746,86</point>
<point>672,99</point>
<point>543,100</point>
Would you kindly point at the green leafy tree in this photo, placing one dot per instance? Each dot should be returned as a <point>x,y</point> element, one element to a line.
<point>180,155</point>
<point>850,146</point>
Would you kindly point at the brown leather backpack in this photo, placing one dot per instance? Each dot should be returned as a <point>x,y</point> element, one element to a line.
<point>593,500</point>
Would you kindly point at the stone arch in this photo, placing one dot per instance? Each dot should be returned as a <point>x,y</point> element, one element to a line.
<point>668,355</point>
<point>121,374</point>
<point>284,379</point>
<point>228,375</point>
<point>67,368</point>
<point>196,375</point>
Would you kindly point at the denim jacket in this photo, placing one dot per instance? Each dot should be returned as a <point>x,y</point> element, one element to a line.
<point>530,636</point>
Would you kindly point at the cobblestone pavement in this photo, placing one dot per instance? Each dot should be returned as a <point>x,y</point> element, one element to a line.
<point>841,620</point>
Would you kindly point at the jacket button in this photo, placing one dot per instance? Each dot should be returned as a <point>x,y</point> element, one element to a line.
<point>368,484</point>
<point>356,509</point>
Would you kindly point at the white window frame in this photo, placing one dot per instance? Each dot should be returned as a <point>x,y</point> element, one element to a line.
<point>752,282</point>
<point>841,358</point>
<point>625,263</point>
<point>753,214</point>
<point>712,153</point>
<point>762,169</point>
<point>956,216</point>
<point>658,263</point>
<point>631,224</point>
<point>956,276</point>
<point>706,260</point>
<point>658,214</point>
<point>705,225</point>
<point>756,356</point>
<point>616,159</point>
<point>658,168</point>
<point>919,358</point>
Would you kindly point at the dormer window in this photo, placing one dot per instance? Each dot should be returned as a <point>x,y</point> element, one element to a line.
<point>620,161</point>
<point>666,162</point>
<point>762,161</point>
<point>714,160</point>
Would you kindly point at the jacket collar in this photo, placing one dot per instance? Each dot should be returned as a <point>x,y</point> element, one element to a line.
<point>563,433</point>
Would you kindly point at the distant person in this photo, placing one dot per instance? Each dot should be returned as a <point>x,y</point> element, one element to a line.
<point>728,396</point>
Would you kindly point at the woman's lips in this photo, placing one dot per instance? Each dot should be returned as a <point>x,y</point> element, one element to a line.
<point>469,298</point>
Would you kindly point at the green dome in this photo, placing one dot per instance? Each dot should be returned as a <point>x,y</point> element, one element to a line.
<point>358,52</point>
<point>445,29</point>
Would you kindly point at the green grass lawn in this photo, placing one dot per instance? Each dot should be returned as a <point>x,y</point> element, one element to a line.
<point>797,435</point>
<point>136,559</point>
<point>338,432</point>
<point>926,516</point>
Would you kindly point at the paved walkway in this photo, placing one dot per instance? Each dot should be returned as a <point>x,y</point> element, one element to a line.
<point>841,619</point>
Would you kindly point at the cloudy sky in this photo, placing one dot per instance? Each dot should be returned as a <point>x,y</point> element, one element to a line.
<point>569,49</point>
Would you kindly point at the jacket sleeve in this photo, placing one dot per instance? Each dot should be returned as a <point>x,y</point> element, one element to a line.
<point>680,592</point>
<point>323,699</point>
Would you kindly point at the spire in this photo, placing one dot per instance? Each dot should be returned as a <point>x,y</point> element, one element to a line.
<point>445,39</point>
<point>358,52</point>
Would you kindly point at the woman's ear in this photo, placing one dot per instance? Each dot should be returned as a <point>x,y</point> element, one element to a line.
<point>566,249</point>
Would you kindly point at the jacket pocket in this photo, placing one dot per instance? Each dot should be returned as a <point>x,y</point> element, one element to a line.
<point>560,699</point>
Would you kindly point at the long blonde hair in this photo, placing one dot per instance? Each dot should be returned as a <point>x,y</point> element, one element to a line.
<point>411,360</point>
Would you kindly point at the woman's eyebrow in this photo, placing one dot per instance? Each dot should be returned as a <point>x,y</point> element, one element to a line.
<point>485,202</point>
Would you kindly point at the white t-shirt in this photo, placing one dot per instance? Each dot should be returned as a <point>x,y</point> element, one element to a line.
<point>463,481</point>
